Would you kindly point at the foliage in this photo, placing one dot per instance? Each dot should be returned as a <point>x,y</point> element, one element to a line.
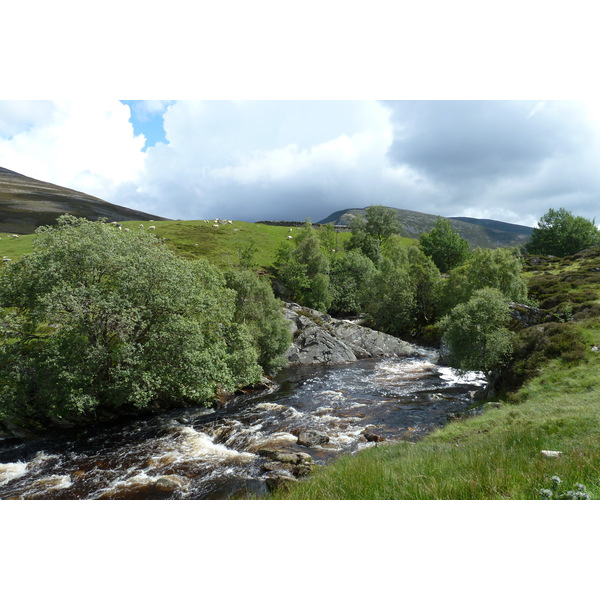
<point>369,232</point>
<point>304,270</point>
<point>554,492</point>
<point>475,332</point>
<point>257,308</point>
<point>96,318</point>
<point>247,256</point>
<point>351,279</point>
<point>404,290</point>
<point>444,245</point>
<point>560,233</point>
<point>498,269</point>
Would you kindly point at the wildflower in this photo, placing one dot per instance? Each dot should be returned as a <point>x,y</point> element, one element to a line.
<point>546,494</point>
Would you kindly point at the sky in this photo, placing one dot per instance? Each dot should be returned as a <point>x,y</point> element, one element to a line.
<point>255,160</point>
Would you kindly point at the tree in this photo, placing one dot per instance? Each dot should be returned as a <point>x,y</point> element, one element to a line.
<point>257,308</point>
<point>369,232</point>
<point>97,319</point>
<point>304,270</point>
<point>351,280</point>
<point>475,333</point>
<point>498,269</point>
<point>444,245</point>
<point>560,233</point>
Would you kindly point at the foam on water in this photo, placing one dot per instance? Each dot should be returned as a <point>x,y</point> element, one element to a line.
<point>10,471</point>
<point>200,445</point>
<point>453,377</point>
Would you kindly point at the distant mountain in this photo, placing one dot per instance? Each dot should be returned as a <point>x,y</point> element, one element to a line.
<point>484,233</point>
<point>27,203</point>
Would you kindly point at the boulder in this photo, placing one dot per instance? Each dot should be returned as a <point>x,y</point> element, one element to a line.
<point>311,437</point>
<point>321,339</point>
<point>284,456</point>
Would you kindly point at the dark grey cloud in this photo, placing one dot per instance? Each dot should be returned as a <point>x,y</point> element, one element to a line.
<point>459,141</point>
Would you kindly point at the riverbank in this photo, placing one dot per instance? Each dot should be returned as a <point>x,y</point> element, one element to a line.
<point>497,455</point>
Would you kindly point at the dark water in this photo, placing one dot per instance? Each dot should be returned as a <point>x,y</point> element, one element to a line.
<point>205,454</point>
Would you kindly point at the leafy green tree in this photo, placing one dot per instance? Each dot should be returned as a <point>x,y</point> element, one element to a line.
<point>351,279</point>
<point>444,245</point>
<point>475,333</point>
<point>369,232</point>
<point>96,319</point>
<point>304,270</point>
<point>257,308</point>
<point>425,281</point>
<point>560,233</point>
<point>498,269</point>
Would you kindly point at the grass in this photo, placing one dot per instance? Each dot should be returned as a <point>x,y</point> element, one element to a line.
<point>193,239</point>
<point>497,455</point>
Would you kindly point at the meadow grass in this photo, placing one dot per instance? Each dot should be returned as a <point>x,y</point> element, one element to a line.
<point>194,239</point>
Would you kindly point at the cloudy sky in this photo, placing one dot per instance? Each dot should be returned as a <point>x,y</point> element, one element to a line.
<point>251,160</point>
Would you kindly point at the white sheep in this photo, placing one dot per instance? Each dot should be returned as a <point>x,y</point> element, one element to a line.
<point>289,237</point>
<point>152,228</point>
<point>126,229</point>
<point>215,225</point>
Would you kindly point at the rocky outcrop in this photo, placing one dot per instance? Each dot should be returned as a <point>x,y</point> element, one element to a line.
<point>321,339</point>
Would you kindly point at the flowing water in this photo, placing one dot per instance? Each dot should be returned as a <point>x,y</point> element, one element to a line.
<point>207,454</point>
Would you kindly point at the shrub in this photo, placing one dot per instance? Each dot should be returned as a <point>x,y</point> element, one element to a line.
<point>560,233</point>
<point>96,319</point>
<point>498,269</point>
<point>257,308</point>
<point>475,333</point>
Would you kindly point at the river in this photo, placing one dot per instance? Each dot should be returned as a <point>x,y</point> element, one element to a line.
<point>200,453</point>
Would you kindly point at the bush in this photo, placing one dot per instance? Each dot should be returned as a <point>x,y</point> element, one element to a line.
<point>257,308</point>
<point>498,269</point>
<point>101,319</point>
<point>475,333</point>
<point>560,233</point>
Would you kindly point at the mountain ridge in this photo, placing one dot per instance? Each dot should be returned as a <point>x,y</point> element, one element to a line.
<point>27,203</point>
<point>485,233</point>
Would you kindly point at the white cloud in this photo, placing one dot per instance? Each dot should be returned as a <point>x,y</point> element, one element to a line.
<point>86,145</point>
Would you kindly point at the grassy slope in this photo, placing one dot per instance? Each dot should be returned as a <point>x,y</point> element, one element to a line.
<point>193,239</point>
<point>496,455</point>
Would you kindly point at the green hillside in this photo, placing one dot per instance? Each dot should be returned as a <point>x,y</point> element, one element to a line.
<point>191,239</point>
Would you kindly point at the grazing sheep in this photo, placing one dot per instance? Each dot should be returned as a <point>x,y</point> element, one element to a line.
<point>126,229</point>
<point>152,227</point>
<point>215,225</point>
<point>14,235</point>
<point>141,226</point>
<point>289,237</point>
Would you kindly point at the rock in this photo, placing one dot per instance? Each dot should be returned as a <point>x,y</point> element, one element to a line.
<point>321,339</point>
<point>311,437</point>
<point>372,437</point>
<point>167,484</point>
<point>284,456</point>
<point>551,453</point>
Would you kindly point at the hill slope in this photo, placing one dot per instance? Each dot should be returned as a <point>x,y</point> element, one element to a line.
<point>26,203</point>
<point>484,233</point>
